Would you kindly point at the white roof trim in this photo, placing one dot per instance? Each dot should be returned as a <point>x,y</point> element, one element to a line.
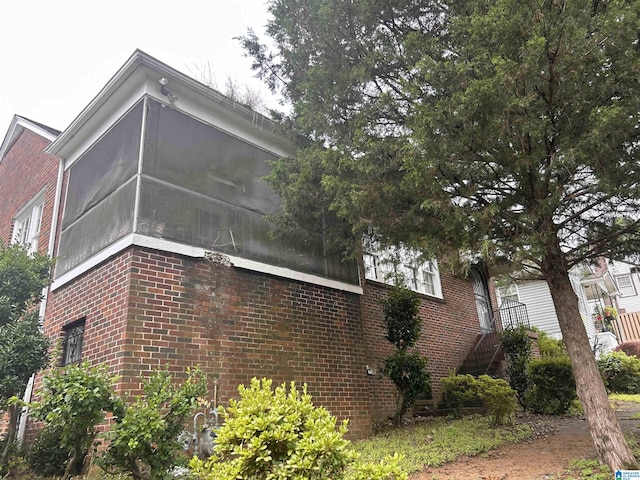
<point>197,252</point>
<point>17,126</point>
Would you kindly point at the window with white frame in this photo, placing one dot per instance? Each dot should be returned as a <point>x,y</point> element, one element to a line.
<point>403,267</point>
<point>507,292</point>
<point>26,224</point>
<point>625,285</point>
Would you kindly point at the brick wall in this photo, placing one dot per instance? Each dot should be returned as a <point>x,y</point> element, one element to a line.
<point>146,309</point>
<point>24,171</point>
<point>449,329</point>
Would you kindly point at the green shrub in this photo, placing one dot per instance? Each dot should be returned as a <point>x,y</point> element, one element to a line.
<point>75,399</point>
<point>517,345</point>
<point>630,348</point>
<point>494,394</point>
<point>499,399</point>
<point>407,371</point>
<point>144,438</point>
<point>620,372</point>
<point>552,387</point>
<point>279,434</point>
<point>550,347</point>
<point>46,455</point>
<point>459,391</point>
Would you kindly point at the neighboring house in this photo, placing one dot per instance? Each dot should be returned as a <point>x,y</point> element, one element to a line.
<point>30,183</point>
<point>164,256</point>
<point>536,296</point>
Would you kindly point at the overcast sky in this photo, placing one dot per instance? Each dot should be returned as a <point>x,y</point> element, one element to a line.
<point>55,56</point>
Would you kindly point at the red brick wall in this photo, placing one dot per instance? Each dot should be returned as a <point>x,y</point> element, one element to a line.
<point>24,171</point>
<point>449,330</point>
<point>146,310</point>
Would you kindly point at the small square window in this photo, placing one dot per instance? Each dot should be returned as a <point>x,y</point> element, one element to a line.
<point>72,343</point>
<point>625,285</point>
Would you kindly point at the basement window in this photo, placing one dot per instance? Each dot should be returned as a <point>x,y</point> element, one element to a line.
<point>72,342</point>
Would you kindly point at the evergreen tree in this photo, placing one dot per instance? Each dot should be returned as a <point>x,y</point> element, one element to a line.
<point>503,127</point>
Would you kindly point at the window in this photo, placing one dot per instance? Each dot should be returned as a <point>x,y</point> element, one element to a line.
<point>26,225</point>
<point>507,292</point>
<point>625,285</point>
<point>404,267</point>
<point>72,343</point>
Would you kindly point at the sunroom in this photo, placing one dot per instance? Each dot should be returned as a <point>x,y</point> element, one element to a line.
<point>161,161</point>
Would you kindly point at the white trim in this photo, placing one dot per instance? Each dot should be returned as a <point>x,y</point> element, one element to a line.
<point>18,124</point>
<point>197,252</point>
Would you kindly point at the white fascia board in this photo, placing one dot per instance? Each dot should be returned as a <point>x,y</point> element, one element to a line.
<point>197,252</point>
<point>18,124</point>
<point>141,75</point>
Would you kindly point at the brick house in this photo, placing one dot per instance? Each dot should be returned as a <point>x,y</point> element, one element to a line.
<point>157,211</point>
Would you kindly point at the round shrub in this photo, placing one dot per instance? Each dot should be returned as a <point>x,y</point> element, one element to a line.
<point>279,434</point>
<point>620,372</point>
<point>552,387</point>
<point>630,348</point>
<point>459,391</point>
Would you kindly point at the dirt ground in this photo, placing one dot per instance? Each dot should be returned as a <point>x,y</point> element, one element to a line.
<point>557,442</point>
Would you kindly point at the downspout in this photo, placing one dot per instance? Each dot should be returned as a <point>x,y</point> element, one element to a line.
<point>45,291</point>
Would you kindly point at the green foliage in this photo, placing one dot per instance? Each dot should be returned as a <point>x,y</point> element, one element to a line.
<point>22,278</point>
<point>552,387</point>
<point>23,352</point>
<point>75,400</point>
<point>495,394</point>
<point>550,347</point>
<point>517,345</point>
<point>401,318</point>
<point>46,455</point>
<point>408,372</point>
<point>437,441</point>
<point>620,372</point>
<point>630,348</point>
<point>279,434</point>
<point>144,438</point>
<point>459,391</point>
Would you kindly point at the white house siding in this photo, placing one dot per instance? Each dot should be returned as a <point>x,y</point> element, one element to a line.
<point>536,296</point>
<point>542,314</point>
<point>626,302</point>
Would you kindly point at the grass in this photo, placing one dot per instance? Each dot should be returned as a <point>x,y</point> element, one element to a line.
<point>437,441</point>
<point>625,397</point>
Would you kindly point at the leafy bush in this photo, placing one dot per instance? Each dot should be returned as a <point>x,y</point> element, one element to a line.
<point>459,391</point>
<point>407,371</point>
<point>630,348</point>
<point>144,438</point>
<point>495,394</point>
<point>552,387</point>
<point>517,345</point>
<point>550,347</point>
<point>620,372</point>
<point>46,455</point>
<point>74,400</point>
<point>280,435</point>
<point>401,318</point>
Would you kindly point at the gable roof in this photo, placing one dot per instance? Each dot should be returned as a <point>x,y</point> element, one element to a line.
<point>18,125</point>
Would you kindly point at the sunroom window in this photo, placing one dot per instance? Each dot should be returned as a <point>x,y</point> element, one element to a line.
<point>194,184</point>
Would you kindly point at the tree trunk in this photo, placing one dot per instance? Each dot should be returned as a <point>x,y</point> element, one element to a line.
<point>14,414</point>
<point>606,433</point>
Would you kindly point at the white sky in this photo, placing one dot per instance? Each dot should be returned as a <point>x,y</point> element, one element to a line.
<point>55,56</point>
